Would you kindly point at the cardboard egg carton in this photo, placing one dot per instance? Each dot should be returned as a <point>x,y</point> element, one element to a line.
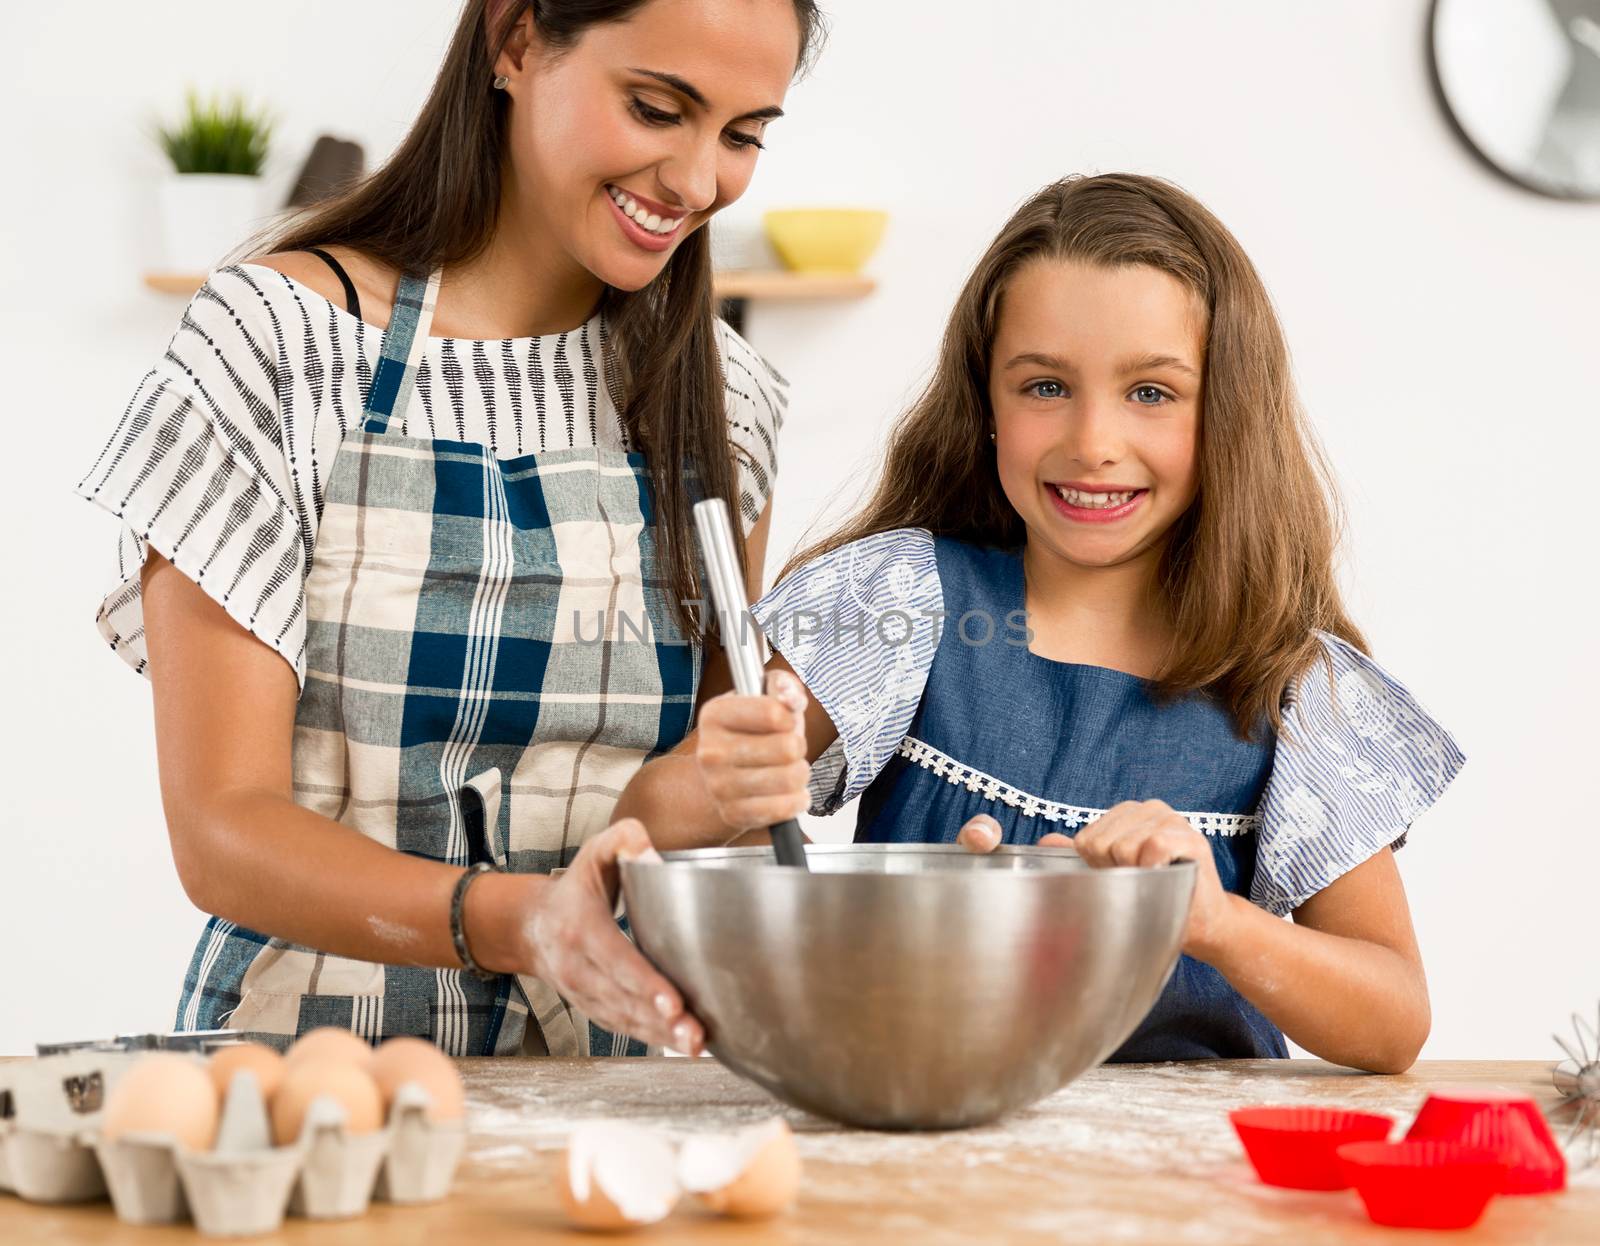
<point>51,1152</point>
<point>49,1112</point>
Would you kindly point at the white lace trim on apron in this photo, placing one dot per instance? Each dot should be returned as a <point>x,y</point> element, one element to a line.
<point>1031,806</point>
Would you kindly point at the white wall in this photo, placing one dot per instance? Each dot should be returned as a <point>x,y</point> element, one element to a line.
<point>1444,327</point>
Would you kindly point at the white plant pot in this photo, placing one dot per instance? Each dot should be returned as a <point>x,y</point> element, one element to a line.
<point>204,216</point>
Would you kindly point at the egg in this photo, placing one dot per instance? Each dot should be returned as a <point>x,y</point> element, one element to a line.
<point>749,1174</point>
<point>332,1042</point>
<point>256,1058</point>
<point>309,1079</point>
<point>617,1176</point>
<point>403,1060</point>
<point>164,1093</point>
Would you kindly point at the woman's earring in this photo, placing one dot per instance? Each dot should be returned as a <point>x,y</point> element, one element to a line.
<point>991,436</point>
<point>500,82</point>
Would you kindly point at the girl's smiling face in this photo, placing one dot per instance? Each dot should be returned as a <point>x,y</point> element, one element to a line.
<point>1095,388</point>
<point>625,143</point>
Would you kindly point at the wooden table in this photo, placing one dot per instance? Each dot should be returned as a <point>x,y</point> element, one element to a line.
<point>1128,1153</point>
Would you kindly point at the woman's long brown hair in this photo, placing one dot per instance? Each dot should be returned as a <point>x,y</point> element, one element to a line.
<point>1247,571</point>
<point>435,202</point>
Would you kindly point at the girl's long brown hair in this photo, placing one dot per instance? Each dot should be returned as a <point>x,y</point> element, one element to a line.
<point>1247,571</point>
<point>435,202</point>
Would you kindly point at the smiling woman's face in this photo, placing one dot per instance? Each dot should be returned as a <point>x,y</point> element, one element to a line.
<point>623,144</point>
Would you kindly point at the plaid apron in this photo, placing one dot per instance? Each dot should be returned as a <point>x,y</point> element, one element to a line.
<point>490,658</point>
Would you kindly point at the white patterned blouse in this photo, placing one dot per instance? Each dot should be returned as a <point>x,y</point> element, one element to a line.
<point>230,436</point>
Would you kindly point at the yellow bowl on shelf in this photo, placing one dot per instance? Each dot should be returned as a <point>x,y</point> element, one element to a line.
<point>825,240</point>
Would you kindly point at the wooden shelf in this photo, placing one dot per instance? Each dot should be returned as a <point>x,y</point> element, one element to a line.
<point>774,285</point>
<point>175,283</point>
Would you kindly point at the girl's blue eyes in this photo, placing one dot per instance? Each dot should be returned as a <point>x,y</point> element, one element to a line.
<point>657,117</point>
<point>1144,395</point>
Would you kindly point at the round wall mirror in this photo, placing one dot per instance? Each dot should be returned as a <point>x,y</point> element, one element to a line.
<point>1521,80</point>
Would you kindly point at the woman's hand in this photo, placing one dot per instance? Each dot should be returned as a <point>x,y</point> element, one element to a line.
<point>751,755</point>
<point>1146,833</point>
<point>562,930</point>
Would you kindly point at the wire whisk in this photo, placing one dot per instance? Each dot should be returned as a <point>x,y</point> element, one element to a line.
<point>1578,1079</point>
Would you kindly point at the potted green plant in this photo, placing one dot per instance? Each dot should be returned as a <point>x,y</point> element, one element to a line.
<point>213,198</point>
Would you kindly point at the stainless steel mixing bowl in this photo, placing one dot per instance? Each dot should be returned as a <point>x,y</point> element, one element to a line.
<point>910,986</point>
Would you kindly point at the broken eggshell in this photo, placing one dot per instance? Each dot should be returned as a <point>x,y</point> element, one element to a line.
<point>749,1174</point>
<point>617,1176</point>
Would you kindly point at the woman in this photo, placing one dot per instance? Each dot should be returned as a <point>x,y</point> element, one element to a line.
<point>413,603</point>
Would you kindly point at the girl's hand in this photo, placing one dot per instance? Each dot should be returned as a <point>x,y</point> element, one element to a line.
<point>1149,833</point>
<point>981,833</point>
<point>751,754</point>
<point>569,938</point>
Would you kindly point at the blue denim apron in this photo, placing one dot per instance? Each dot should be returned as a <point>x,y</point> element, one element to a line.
<point>1046,746</point>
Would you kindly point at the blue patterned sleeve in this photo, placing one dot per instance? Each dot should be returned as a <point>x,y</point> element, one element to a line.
<point>1357,762</point>
<point>860,626</point>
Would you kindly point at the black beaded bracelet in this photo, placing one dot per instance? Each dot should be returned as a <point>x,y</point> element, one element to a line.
<point>458,930</point>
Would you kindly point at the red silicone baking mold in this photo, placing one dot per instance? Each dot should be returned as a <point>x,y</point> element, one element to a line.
<point>1423,1185</point>
<point>1297,1146</point>
<point>1503,1121</point>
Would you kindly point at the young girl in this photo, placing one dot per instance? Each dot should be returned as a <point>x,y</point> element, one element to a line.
<point>1094,595</point>
<point>374,570</point>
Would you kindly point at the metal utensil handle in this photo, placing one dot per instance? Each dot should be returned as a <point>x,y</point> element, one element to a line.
<point>740,639</point>
<point>727,595</point>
